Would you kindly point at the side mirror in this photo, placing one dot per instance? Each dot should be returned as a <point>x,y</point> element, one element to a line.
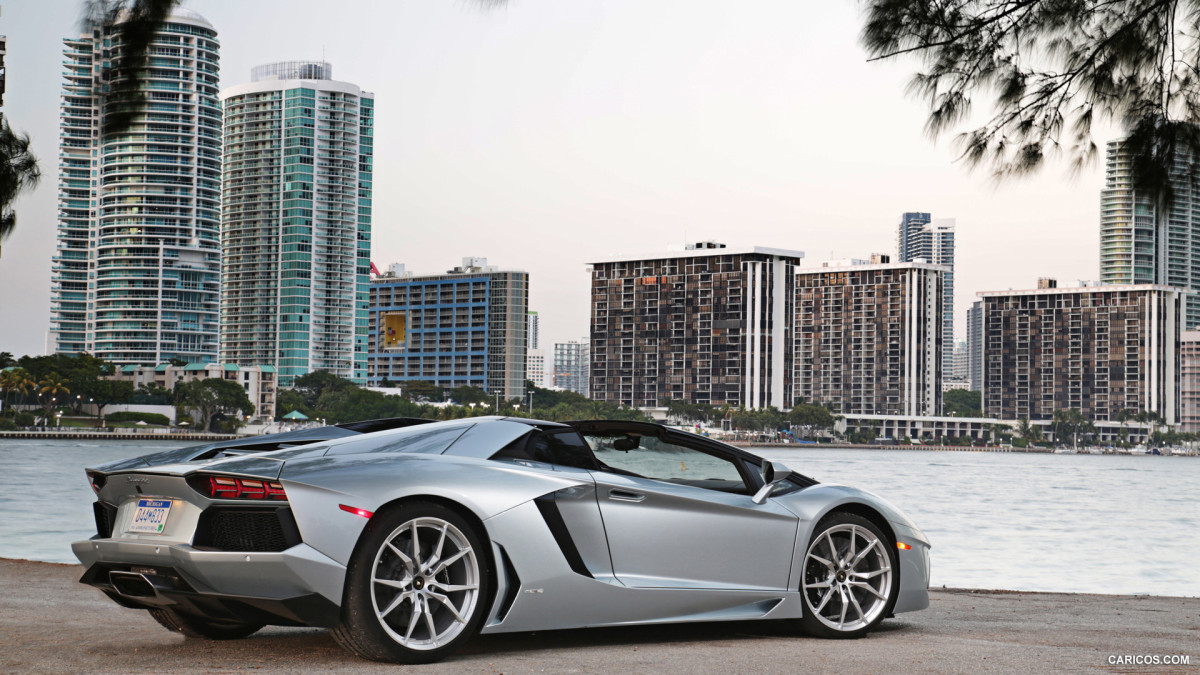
<point>773,473</point>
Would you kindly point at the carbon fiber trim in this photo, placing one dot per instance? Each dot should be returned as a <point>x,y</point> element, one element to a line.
<point>562,536</point>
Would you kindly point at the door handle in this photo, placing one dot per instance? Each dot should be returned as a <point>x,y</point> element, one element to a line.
<point>626,496</point>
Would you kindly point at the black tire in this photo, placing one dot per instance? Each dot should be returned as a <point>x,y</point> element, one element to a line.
<point>837,601</point>
<point>413,626</point>
<point>196,627</point>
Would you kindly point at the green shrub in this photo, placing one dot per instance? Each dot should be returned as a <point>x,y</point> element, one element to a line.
<point>25,419</point>
<point>129,416</point>
<point>7,424</point>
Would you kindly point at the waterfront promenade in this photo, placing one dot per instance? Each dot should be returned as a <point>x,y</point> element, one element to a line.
<point>50,623</point>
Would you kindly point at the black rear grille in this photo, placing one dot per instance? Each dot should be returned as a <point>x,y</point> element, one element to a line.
<point>231,529</point>
<point>106,517</point>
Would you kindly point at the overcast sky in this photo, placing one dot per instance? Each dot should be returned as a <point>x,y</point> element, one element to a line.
<point>549,134</point>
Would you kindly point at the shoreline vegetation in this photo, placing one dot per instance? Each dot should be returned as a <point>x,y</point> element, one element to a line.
<point>40,402</point>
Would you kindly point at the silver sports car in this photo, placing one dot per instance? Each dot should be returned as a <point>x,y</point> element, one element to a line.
<point>408,537</point>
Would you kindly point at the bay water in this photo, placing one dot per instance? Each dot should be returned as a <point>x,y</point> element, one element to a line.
<point>1068,523</point>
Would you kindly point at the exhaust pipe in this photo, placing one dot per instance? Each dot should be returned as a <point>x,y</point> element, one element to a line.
<point>132,584</point>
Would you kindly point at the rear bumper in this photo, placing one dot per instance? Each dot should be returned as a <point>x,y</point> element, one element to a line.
<point>299,586</point>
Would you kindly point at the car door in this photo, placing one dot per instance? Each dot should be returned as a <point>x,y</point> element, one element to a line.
<point>682,517</point>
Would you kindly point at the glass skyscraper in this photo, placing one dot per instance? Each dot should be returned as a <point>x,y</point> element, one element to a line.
<point>136,274</point>
<point>1139,245</point>
<point>296,221</point>
<point>920,237</point>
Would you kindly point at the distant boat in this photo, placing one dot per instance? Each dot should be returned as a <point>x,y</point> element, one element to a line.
<point>1066,451</point>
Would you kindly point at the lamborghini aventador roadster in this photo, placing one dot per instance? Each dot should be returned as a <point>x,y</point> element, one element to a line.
<point>407,537</point>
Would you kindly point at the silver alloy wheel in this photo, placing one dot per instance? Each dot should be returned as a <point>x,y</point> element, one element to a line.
<point>847,577</point>
<point>425,583</point>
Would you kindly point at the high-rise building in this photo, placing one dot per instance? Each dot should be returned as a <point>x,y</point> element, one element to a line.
<point>535,366</point>
<point>1189,381</point>
<point>962,364</point>
<point>920,237</point>
<point>462,328</point>
<point>136,276</point>
<point>532,330</point>
<point>868,337</point>
<point>1099,348</point>
<point>975,346</point>
<point>1141,244</point>
<point>707,324</point>
<point>3,70</point>
<point>572,365</point>
<point>296,221</point>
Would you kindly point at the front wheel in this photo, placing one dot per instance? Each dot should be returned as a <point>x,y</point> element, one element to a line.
<point>851,577</point>
<point>416,587</point>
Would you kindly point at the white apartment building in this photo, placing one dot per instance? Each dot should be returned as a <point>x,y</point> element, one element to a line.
<point>136,275</point>
<point>296,221</point>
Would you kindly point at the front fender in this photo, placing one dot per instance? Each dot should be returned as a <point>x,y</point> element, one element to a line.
<point>814,503</point>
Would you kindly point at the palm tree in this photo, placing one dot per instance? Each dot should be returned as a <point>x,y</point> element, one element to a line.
<point>54,387</point>
<point>1123,416</point>
<point>8,383</point>
<point>16,380</point>
<point>1075,420</point>
<point>1058,423</point>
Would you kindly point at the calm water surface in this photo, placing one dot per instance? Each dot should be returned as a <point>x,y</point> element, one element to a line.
<point>1071,523</point>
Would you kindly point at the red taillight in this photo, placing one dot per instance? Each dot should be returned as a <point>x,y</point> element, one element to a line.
<point>253,489</point>
<point>275,491</point>
<point>356,511</point>
<point>224,487</point>
<point>96,480</point>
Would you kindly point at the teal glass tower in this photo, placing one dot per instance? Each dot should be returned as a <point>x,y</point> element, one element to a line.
<point>136,275</point>
<point>296,221</point>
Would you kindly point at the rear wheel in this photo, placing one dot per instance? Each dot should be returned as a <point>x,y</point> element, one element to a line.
<point>196,627</point>
<point>851,577</point>
<point>416,587</point>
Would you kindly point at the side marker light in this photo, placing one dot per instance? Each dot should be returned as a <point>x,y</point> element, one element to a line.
<point>900,545</point>
<point>356,511</point>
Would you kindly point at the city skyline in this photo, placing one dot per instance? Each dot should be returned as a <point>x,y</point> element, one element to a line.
<point>559,137</point>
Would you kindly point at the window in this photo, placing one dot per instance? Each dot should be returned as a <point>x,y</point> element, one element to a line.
<point>659,460</point>
<point>564,447</point>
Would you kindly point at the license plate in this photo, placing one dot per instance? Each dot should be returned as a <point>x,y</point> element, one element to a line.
<point>150,516</point>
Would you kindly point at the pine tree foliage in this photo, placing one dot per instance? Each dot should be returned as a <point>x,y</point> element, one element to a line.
<point>1052,69</point>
